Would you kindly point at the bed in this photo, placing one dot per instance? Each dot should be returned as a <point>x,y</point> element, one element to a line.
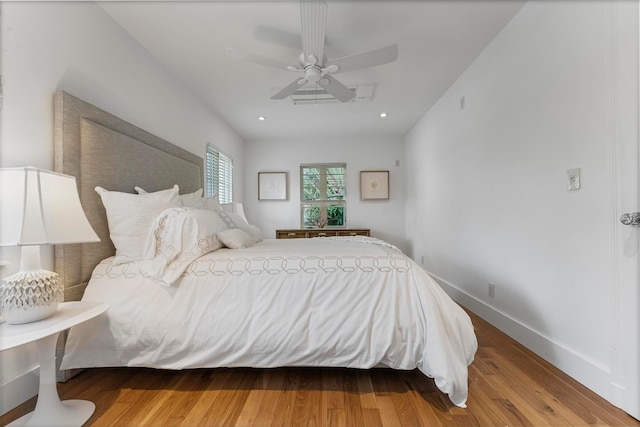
<point>194,285</point>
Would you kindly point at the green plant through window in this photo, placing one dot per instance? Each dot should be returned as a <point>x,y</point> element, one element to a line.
<point>323,189</point>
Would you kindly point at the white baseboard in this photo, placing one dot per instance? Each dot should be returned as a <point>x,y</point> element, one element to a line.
<point>19,390</point>
<point>592,375</point>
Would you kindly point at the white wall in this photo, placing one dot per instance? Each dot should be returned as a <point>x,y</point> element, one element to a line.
<point>385,218</point>
<point>487,197</point>
<point>76,47</point>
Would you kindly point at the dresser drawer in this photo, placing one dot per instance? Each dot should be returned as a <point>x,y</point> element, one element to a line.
<point>291,234</point>
<point>360,232</point>
<point>321,233</point>
<point>304,233</point>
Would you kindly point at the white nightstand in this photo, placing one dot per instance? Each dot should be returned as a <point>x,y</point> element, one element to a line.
<point>49,409</point>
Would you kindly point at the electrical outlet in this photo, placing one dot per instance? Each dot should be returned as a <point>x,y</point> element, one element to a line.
<point>492,290</point>
<point>573,179</point>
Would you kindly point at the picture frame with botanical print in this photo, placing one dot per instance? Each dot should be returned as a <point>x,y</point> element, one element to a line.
<point>374,185</point>
<point>272,186</point>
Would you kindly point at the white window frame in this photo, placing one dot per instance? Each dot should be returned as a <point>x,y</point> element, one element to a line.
<point>219,175</point>
<point>323,203</point>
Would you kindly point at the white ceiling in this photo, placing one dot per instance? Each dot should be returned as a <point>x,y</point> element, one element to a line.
<point>437,41</point>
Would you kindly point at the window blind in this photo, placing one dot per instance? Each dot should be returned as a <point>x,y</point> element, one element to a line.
<point>323,182</point>
<point>219,175</point>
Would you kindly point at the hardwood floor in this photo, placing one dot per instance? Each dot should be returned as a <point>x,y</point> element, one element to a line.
<point>508,386</point>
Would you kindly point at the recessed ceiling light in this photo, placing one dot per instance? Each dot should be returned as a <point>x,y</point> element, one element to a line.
<point>262,118</point>
<point>383,115</point>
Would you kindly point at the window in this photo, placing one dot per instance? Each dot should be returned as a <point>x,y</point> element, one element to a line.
<point>219,175</point>
<point>323,195</point>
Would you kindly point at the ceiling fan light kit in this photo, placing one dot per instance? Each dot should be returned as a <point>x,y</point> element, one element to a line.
<point>313,63</point>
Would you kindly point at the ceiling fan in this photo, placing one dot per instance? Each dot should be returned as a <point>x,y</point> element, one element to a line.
<point>313,63</point>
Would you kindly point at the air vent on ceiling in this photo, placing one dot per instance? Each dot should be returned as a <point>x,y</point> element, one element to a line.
<point>320,96</point>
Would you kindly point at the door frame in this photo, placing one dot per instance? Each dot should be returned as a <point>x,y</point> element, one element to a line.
<point>624,81</point>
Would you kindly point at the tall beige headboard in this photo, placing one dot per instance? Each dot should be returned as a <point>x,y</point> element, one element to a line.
<point>101,149</point>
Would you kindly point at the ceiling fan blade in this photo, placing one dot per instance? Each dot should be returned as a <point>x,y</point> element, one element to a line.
<point>294,86</point>
<point>337,89</point>
<point>372,58</point>
<point>256,59</point>
<point>313,21</point>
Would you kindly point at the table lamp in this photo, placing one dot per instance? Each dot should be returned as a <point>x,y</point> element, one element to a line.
<point>37,207</point>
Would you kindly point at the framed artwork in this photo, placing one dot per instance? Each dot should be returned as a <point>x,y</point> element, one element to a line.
<point>374,185</point>
<point>272,186</point>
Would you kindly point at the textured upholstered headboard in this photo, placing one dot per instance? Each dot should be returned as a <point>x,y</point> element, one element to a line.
<point>101,149</point>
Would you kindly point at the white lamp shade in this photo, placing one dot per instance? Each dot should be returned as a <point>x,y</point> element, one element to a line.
<point>40,207</point>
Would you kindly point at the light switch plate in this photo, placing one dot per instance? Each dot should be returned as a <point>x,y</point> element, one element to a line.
<point>573,179</point>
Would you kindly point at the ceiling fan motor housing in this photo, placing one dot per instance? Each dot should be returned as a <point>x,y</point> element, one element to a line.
<point>312,73</point>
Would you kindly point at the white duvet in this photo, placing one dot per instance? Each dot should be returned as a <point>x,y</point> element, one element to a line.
<point>340,302</point>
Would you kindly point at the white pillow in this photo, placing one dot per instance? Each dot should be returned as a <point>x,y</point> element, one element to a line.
<point>193,200</point>
<point>211,203</point>
<point>130,217</point>
<point>235,238</point>
<point>178,237</point>
<point>254,232</point>
<point>234,207</point>
<point>226,218</point>
<point>189,200</point>
<point>237,220</point>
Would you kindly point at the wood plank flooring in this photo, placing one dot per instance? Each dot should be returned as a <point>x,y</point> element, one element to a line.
<point>508,386</point>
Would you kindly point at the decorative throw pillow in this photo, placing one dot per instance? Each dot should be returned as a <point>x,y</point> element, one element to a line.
<point>130,216</point>
<point>235,208</point>
<point>235,238</point>
<point>254,232</point>
<point>226,218</point>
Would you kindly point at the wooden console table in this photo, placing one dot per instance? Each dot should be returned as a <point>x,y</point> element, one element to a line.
<point>306,233</point>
